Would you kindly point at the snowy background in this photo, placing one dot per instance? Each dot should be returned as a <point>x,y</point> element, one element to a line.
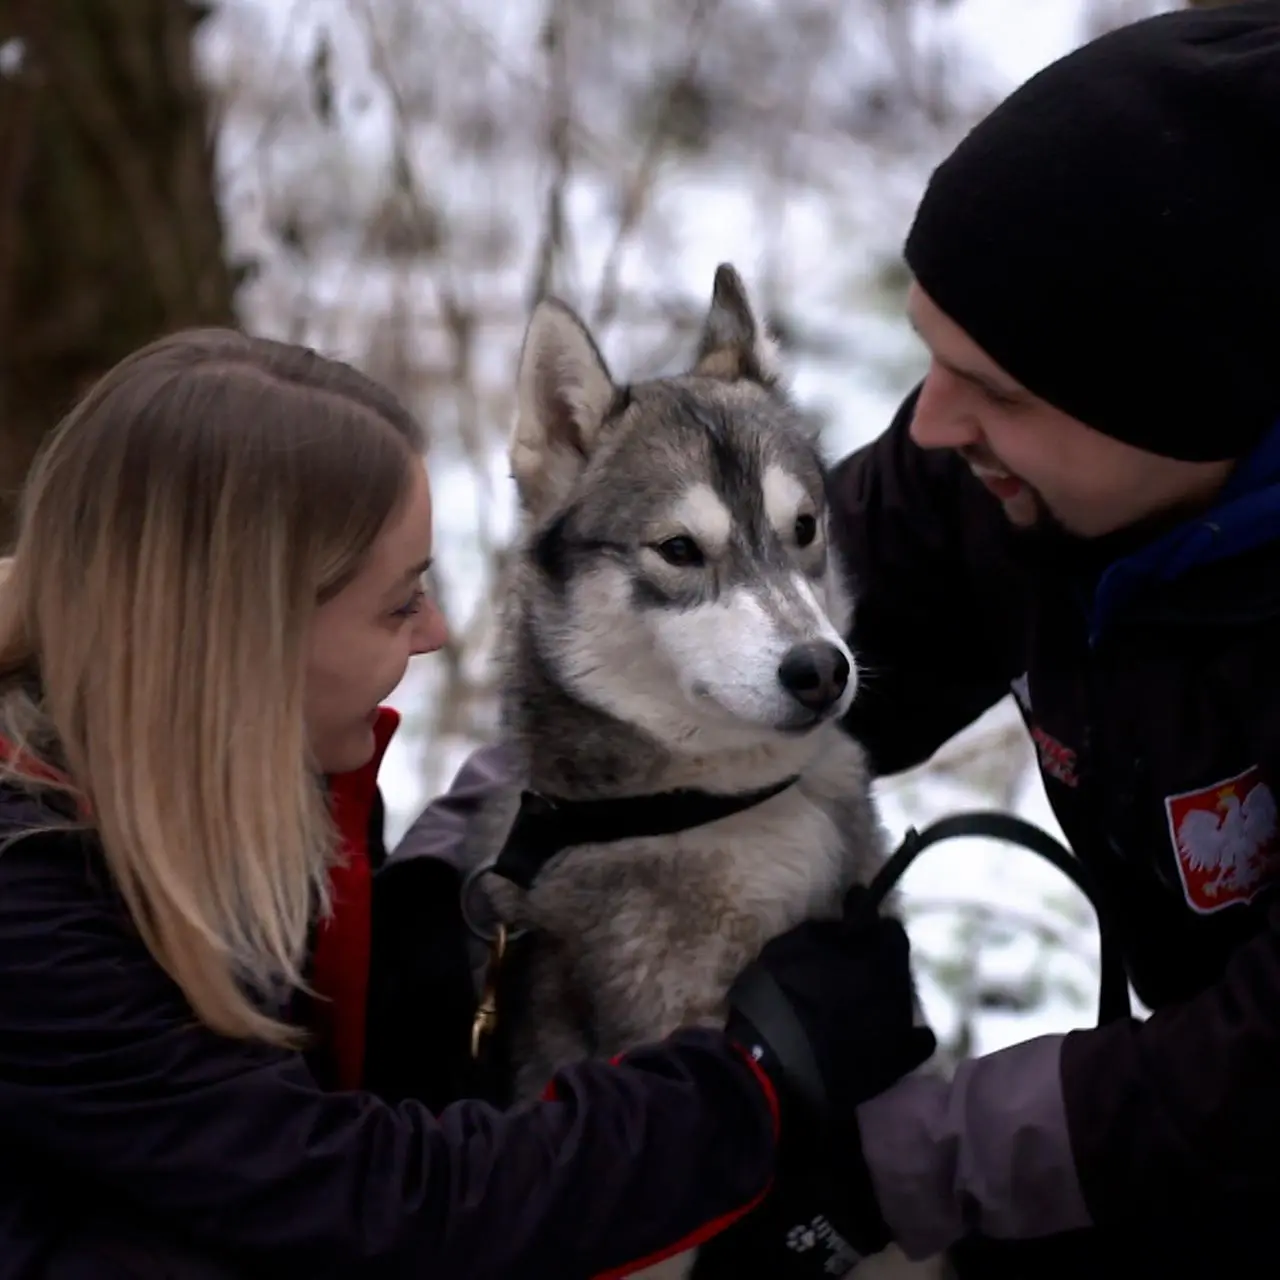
<point>400,179</point>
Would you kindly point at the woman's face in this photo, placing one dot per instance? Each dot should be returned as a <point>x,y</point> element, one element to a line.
<point>364,636</point>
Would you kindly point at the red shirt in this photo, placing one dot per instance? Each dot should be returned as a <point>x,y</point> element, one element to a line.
<point>340,965</point>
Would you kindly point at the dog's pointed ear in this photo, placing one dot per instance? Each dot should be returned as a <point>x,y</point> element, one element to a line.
<point>564,392</point>
<point>733,343</point>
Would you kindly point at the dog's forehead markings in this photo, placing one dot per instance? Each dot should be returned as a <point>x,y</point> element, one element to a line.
<point>700,510</point>
<point>783,496</point>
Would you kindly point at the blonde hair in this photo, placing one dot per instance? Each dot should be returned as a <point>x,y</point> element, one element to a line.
<point>175,536</point>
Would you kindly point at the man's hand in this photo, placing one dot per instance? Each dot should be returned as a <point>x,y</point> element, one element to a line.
<point>849,985</point>
<point>828,1010</point>
<point>845,986</point>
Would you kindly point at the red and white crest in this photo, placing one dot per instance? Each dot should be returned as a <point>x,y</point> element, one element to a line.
<point>1225,839</point>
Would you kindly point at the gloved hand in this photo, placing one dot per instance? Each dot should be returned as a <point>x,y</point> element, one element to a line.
<point>849,1032</point>
<point>827,1010</point>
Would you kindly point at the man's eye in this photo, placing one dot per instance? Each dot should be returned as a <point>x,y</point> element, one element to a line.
<point>1000,399</point>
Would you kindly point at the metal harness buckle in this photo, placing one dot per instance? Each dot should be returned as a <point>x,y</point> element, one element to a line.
<point>486,1019</point>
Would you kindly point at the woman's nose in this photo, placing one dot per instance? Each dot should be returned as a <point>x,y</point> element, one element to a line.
<point>431,631</point>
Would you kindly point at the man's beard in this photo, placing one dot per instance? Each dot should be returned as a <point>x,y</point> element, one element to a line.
<point>1045,544</point>
<point>1048,546</point>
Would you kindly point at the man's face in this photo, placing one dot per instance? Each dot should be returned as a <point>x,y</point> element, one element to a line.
<point>1043,466</point>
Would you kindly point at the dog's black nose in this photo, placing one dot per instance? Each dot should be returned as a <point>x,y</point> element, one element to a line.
<point>814,674</point>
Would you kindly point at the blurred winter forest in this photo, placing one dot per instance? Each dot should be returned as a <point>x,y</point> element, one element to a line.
<point>396,181</point>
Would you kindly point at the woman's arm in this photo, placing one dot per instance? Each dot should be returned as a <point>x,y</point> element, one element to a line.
<point>103,1070</point>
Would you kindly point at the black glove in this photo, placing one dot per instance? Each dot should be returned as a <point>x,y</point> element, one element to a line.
<point>844,1029</point>
<point>827,1010</point>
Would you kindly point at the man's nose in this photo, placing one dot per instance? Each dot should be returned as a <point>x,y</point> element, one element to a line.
<point>944,416</point>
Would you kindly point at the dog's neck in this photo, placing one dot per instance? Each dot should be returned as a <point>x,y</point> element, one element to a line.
<point>572,750</point>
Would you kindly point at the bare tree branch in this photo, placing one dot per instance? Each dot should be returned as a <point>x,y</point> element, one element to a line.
<point>640,188</point>
<point>551,244</point>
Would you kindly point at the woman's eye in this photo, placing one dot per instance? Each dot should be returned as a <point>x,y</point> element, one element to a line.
<point>414,605</point>
<point>806,529</point>
<point>682,552</point>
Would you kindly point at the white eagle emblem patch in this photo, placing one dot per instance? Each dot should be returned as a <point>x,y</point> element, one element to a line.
<point>1225,839</point>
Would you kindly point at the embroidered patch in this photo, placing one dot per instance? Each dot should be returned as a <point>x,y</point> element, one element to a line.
<point>1225,839</point>
<point>1056,759</point>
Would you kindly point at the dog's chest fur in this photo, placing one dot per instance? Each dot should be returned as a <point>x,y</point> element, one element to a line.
<point>640,936</point>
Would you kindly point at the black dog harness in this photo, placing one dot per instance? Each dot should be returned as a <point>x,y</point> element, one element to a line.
<point>545,827</point>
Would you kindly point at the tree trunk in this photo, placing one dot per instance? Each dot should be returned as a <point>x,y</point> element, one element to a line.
<point>110,232</point>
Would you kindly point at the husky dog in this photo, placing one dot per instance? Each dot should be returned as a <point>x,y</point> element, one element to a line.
<point>675,624</point>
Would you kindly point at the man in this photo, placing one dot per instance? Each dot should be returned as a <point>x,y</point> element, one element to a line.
<point>1081,502</point>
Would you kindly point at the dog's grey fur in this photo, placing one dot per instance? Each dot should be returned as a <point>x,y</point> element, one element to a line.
<point>625,675</point>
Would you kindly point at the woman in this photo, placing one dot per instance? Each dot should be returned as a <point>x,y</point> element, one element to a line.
<point>217,579</point>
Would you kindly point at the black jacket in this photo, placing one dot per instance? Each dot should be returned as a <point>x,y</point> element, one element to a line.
<point>122,1120</point>
<point>1146,671</point>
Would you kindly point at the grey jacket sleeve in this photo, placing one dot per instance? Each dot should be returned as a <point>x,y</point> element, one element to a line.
<point>988,1151</point>
<point>1108,1126</point>
<point>440,830</point>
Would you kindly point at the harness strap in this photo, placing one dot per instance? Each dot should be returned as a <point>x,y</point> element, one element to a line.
<point>546,826</point>
<point>1113,995</point>
<point>770,1012</point>
<point>756,995</point>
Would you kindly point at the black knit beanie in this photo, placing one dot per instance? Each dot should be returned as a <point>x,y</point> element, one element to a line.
<point>1110,234</point>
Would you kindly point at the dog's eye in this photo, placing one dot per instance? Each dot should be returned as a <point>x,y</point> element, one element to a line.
<point>682,552</point>
<point>806,529</point>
